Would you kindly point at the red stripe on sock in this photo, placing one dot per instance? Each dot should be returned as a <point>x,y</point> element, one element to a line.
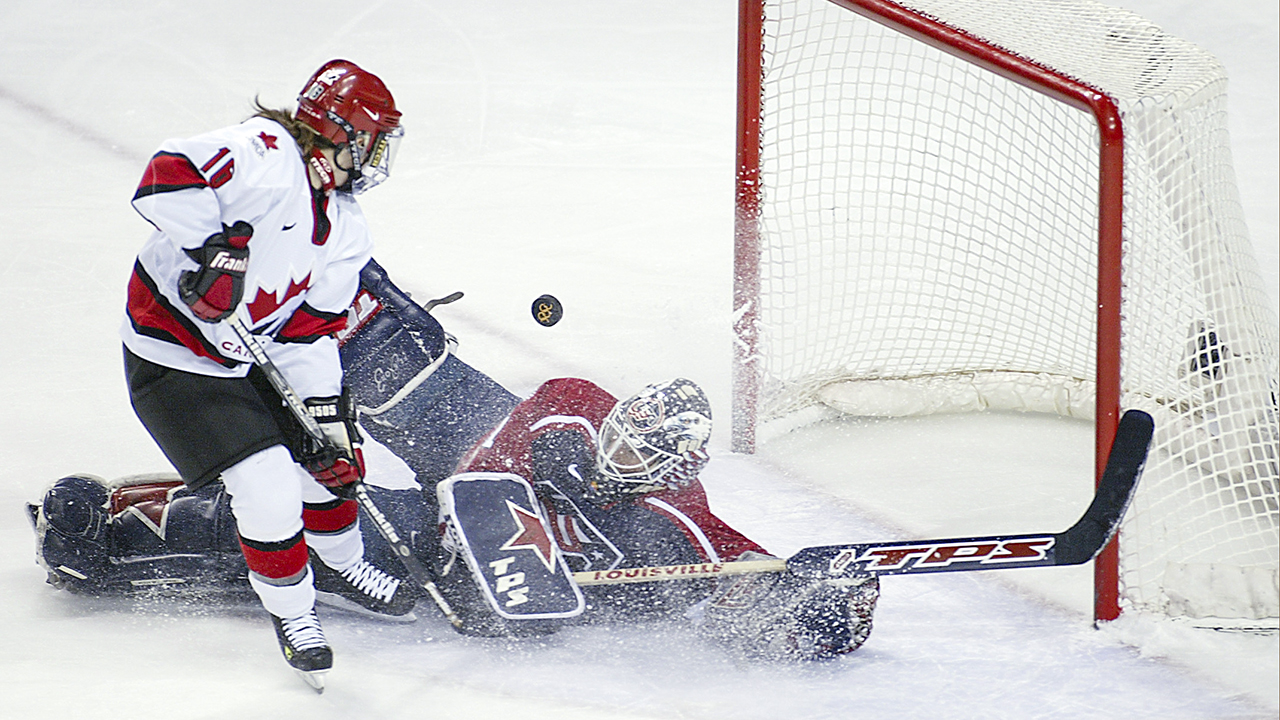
<point>329,518</point>
<point>276,560</point>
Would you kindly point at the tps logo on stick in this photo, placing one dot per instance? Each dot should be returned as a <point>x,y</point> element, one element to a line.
<point>547,310</point>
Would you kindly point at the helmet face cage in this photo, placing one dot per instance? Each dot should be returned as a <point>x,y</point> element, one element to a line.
<point>353,109</point>
<point>373,158</point>
<point>657,436</point>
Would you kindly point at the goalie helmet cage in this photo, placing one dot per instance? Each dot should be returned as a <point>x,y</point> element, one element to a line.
<point>947,205</point>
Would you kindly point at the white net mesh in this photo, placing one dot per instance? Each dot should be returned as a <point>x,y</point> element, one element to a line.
<point>929,242</point>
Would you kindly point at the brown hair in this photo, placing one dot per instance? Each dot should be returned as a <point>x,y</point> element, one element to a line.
<point>303,134</point>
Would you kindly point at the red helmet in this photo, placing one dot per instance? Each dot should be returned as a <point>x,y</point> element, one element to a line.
<point>352,107</point>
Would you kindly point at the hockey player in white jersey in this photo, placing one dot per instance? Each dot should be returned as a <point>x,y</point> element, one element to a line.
<point>260,220</point>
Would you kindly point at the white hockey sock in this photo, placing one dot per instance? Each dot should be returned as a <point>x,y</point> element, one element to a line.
<point>338,550</point>
<point>286,601</point>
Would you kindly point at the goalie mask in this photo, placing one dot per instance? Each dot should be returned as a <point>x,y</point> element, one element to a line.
<point>656,438</point>
<point>353,109</point>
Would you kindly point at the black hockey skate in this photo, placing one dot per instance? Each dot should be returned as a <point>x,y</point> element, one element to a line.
<point>365,589</point>
<point>304,646</point>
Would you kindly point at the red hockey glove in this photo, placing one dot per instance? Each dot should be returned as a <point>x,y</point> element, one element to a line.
<point>213,291</point>
<point>340,464</point>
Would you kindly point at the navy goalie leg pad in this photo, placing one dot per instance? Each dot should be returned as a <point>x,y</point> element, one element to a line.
<point>425,405</point>
<point>168,536</point>
<point>414,515</point>
<point>138,534</point>
<point>433,426</point>
<point>391,342</point>
<point>498,541</point>
<point>72,523</point>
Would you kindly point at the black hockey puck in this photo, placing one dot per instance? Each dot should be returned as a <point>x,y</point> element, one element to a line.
<point>547,310</point>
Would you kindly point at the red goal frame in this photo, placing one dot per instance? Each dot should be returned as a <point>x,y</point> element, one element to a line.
<point>746,374</point>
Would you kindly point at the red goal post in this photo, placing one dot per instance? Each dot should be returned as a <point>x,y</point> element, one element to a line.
<point>829,193</point>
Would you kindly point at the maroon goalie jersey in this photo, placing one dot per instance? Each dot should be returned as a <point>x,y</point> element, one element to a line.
<point>551,439</point>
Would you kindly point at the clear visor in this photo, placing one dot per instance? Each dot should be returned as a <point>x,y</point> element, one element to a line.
<point>377,154</point>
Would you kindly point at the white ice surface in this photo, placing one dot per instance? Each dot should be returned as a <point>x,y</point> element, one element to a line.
<point>582,149</point>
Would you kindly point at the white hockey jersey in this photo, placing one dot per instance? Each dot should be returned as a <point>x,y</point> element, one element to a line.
<point>305,256</point>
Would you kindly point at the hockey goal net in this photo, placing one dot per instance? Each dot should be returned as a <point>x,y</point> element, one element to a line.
<point>948,205</point>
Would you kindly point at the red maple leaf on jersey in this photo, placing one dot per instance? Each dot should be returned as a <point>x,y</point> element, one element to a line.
<point>264,304</point>
<point>530,535</point>
<point>268,140</point>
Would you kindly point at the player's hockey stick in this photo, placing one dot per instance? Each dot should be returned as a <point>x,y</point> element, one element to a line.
<point>401,549</point>
<point>1078,544</point>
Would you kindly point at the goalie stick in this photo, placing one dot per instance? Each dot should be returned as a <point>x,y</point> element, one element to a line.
<point>401,549</point>
<point>1077,544</point>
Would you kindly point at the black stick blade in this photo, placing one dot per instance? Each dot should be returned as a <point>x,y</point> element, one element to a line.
<point>1078,544</point>
<point>1083,541</point>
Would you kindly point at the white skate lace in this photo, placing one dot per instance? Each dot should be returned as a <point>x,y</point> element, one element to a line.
<point>304,632</point>
<point>371,581</point>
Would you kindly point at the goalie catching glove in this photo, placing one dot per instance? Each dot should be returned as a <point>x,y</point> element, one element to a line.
<point>339,464</point>
<point>780,616</point>
<point>216,288</point>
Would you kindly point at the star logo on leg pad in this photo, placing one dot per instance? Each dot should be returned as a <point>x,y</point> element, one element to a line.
<point>530,535</point>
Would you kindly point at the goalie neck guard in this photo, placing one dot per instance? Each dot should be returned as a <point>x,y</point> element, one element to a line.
<point>657,437</point>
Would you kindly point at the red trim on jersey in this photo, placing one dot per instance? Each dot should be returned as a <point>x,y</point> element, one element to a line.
<point>276,560</point>
<point>692,501</point>
<point>331,517</point>
<point>509,449</point>
<point>168,172</point>
<point>214,160</point>
<point>155,317</point>
<point>308,324</point>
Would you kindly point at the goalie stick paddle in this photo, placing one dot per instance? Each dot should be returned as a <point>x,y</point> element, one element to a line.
<point>385,528</point>
<point>1077,544</point>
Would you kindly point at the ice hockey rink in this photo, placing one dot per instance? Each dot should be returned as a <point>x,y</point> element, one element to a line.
<point>584,149</point>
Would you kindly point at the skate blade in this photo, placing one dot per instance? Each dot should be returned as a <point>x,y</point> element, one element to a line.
<point>314,678</point>
<point>335,600</point>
